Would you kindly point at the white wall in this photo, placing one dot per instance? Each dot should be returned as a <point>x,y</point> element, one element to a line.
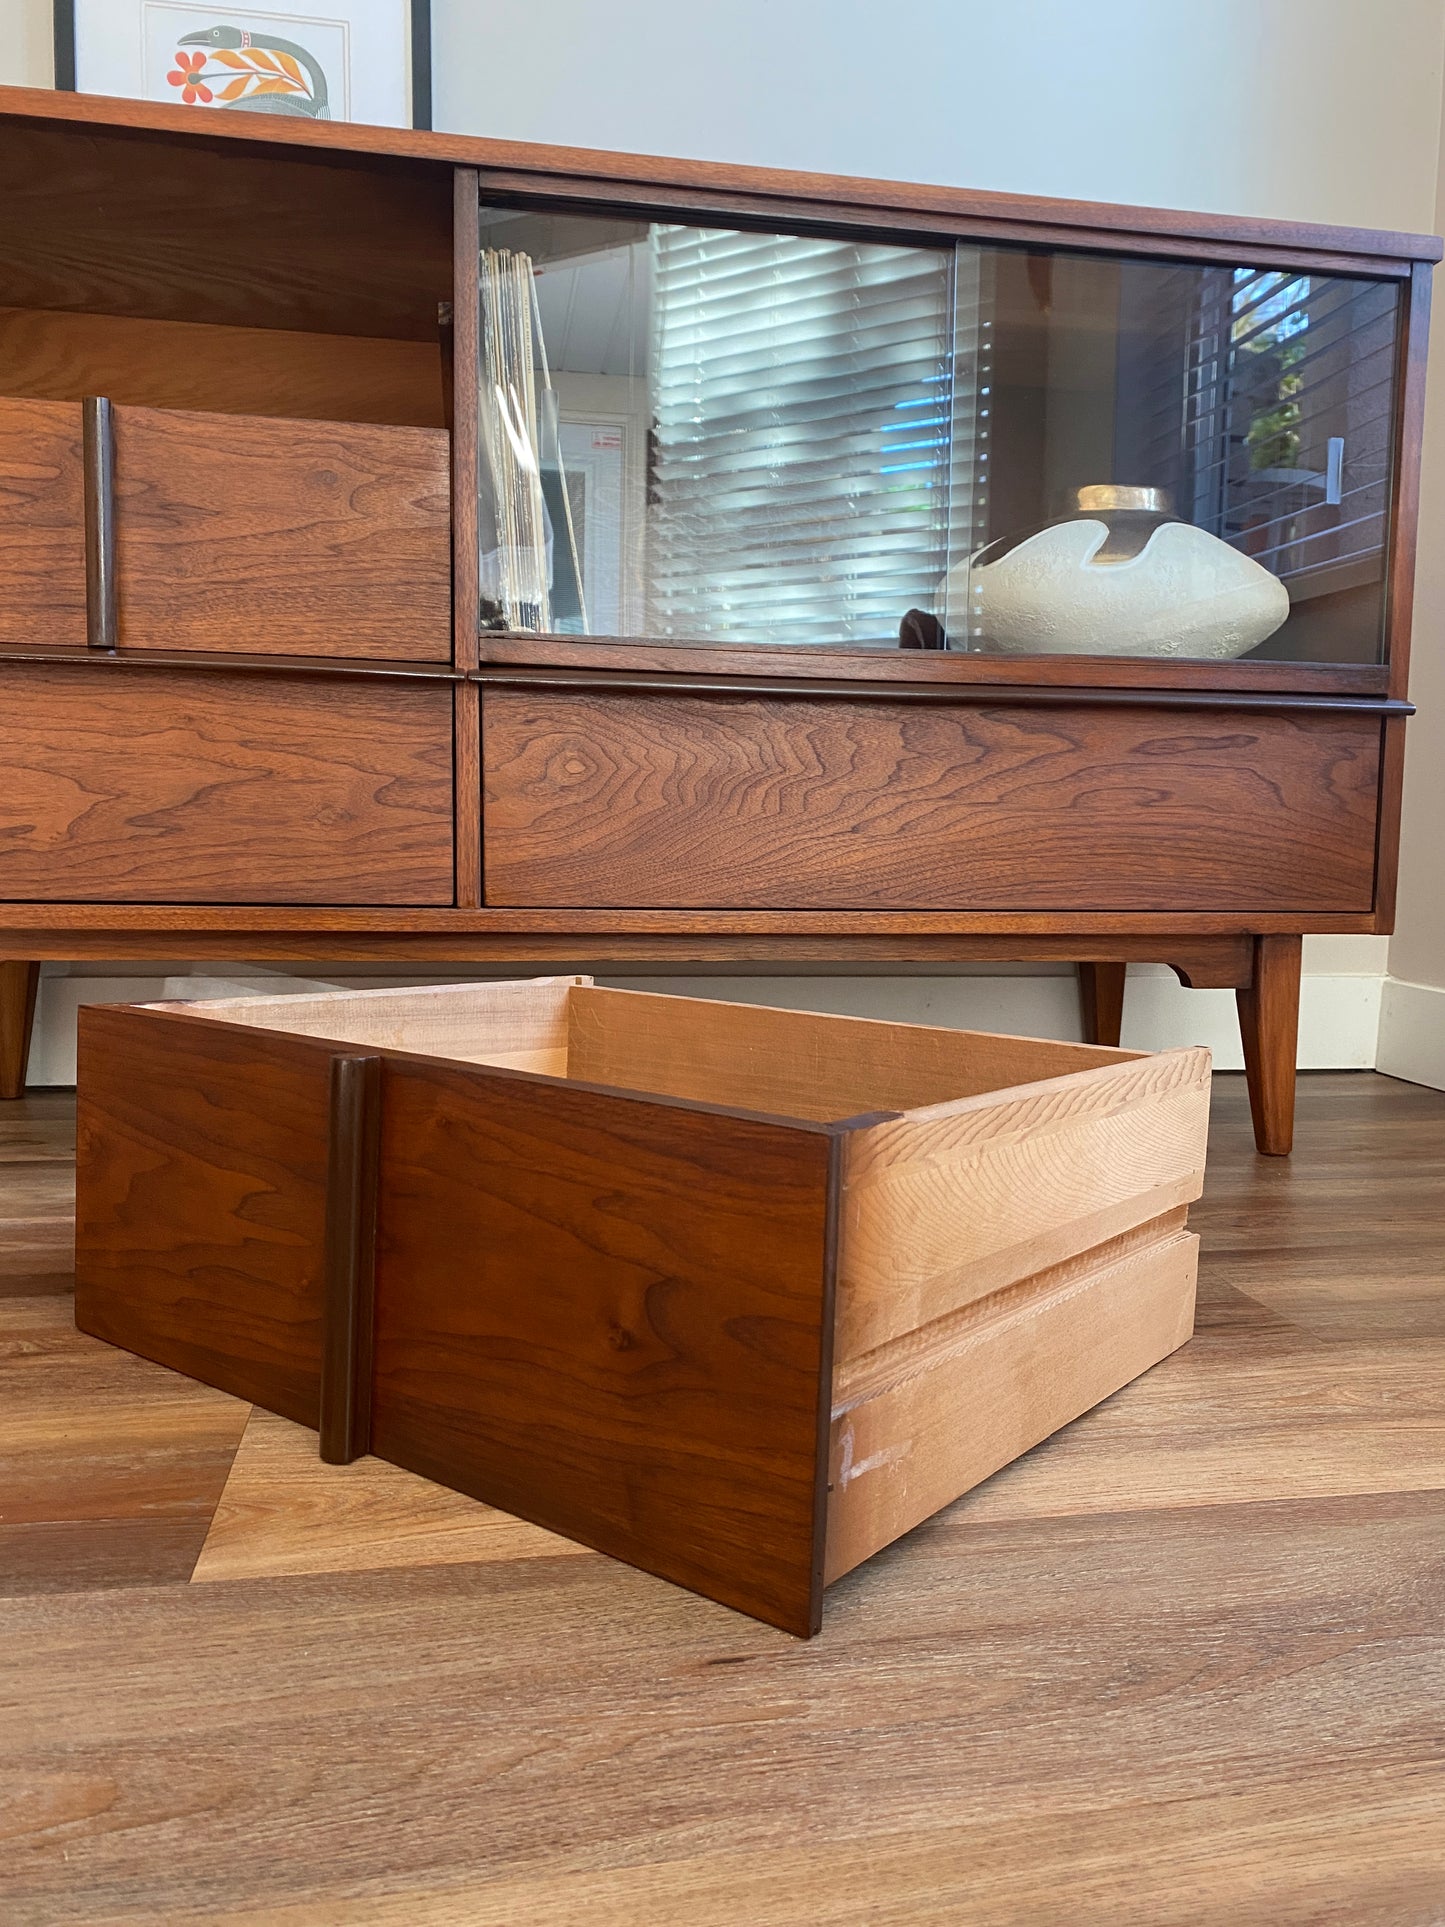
<point>1412,1015</point>
<point>1322,110</point>
<point>27,43</point>
<point>1319,110</point>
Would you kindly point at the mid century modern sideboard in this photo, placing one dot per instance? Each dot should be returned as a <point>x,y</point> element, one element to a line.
<point>280,400</point>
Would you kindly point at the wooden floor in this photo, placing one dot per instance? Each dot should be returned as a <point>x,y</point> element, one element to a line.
<point>1184,1664</point>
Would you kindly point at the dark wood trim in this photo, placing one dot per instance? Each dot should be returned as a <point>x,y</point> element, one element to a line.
<point>1269,1030</point>
<point>98,458</point>
<point>19,987</point>
<point>349,1278</point>
<point>1108,932</point>
<point>919,224</point>
<point>832,1236</point>
<point>709,953</point>
<point>809,661</point>
<point>344,667</point>
<point>1387,825</point>
<point>1101,1001</point>
<point>538,169</point>
<point>1405,509</point>
<point>777,688</point>
<point>1365,694</point>
<point>467,794</point>
<point>1209,960</point>
<point>463,421</point>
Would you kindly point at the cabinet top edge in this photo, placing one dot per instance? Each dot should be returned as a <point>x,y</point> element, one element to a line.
<point>553,166</point>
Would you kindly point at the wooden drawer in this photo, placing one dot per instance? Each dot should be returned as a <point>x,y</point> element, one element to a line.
<point>131,785</point>
<point>42,523</point>
<point>660,801</point>
<point>739,1296</point>
<point>296,538</point>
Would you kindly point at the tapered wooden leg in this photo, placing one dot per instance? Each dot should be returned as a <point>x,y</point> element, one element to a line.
<point>1101,1001</point>
<point>1269,1026</point>
<point>18,985</point>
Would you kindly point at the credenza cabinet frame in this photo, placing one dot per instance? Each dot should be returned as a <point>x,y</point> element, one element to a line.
<point>450,834</point>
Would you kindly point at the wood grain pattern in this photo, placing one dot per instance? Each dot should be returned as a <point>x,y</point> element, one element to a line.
<point>282,537</point>
<point>1269,1030</point>
<point>157,363</point>
<point>199,790</point>
<point>1387,841</point>
<point>106,222</point>
<point>518,1026</point>
<point>110,1468</point>
<point>933,1415</point>
<point>201,1153</point>
<point>814,663</point>
<point>946,1205</point>
<point>493,1241</point>
<point>1200,1690</point>
<point>37,1224</point>
<point>1101,1001</point>
<point>691,801</point>
<point>693,1312</point>
<point>42,523</point>
<point>465,403</point>
<point>601,170</point>
<point>19,986</point>
<point>467,765</point>
<point>796,1063</point>
<point>939,693</point>
<point>284,1512</point>
<point>348,1314</point>
<point>1405,510</point>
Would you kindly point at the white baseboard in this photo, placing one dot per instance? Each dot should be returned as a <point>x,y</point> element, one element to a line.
<point>52,1048</point>
<point>1339,1010</point>
<point>1412,1032</point>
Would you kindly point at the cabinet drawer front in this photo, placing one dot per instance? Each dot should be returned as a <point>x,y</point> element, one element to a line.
<point>129,785</point>
<point>295,538</point>
<point>42,523</point>
<point>655,801</point>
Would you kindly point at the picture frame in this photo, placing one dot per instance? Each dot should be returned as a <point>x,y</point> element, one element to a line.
<point>357,60</point>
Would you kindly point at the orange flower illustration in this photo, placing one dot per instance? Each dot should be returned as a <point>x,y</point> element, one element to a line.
<point>188,78</point>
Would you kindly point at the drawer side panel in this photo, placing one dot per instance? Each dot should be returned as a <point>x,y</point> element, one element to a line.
<point>1002,1378</point>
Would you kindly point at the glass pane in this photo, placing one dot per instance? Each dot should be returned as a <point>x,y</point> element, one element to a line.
<point>721,436</point>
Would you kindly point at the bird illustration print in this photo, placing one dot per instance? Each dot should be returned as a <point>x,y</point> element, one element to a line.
<point>255,72</point>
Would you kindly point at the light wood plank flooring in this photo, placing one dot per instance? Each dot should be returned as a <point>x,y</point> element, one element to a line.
<point>1183,1665</point>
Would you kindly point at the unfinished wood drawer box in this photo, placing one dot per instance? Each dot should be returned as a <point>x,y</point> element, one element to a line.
<point>737,1295</point>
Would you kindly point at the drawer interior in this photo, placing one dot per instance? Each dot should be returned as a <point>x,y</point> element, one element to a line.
<point>788,1063</point>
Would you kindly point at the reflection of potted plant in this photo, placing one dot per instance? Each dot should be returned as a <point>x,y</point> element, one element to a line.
<point>1272,389</point>
<point>257,73</point>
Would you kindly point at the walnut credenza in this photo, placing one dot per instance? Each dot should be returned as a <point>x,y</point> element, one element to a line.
<point>248,708</point>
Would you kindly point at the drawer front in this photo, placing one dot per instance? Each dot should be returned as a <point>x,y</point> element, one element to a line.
<point>42,523</point>
<point>295,538</point>
<point>656,801</point>
<point>130,785</point>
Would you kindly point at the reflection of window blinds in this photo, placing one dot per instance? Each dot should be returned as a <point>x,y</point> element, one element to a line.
<point>1266,405</point>
<point>800,488</point>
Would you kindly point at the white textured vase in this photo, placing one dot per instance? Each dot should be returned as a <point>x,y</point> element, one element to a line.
<point>1091,586</point>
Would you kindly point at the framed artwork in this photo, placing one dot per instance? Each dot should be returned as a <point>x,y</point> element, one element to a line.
<point>366,60</point>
